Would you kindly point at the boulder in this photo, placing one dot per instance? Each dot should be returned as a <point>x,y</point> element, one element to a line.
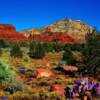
<point>43,72</point>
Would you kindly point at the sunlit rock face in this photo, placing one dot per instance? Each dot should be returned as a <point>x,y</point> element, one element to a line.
<point>29,32</point>
<point>8,32</point>
<point>75,28</point>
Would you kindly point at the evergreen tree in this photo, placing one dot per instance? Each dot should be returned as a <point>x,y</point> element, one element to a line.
<point>91,52</point>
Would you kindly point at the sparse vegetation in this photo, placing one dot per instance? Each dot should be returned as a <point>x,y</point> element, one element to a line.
<point>7,75</point>
<point>16,50</point>
<point>19,63</point>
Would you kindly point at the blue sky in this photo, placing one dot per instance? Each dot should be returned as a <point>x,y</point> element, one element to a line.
<point>24,14</point>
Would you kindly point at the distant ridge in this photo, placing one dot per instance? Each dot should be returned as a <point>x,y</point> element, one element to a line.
<point>74,28</point>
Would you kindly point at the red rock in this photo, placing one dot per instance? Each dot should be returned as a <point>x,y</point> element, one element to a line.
<point>58,88</point>
<point>43,72</point>
<point>8,32</point>
<point>7,28</point>
<point>70,68</point>
<point>59,37</point>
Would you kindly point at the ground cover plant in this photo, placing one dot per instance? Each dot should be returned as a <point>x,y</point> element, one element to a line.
<point>56,62</point>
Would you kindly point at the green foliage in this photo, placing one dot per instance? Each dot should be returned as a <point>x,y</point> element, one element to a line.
<point>26,59</point>
<point>4,43</point>
<point>58,47</point>
<point>48,47</point>
<point>62,63</point>
<point>7,75</point>
<point>37,49</point>
<point>68,56</point>
<point>14,87</point>
<point>44,95</point>
<point>91,52</point>
<point>16,50</point>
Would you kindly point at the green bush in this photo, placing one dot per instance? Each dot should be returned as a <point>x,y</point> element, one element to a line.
<point>14,87</point>
<point>91,53</point>
<point>37,50</point>
<point>16,50</point>
<point>26,59</point>
<point>68,56</point>
<point>7,75</point>
<point>4,43</point>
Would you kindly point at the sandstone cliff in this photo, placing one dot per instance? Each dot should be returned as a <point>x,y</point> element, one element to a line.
<point>32,31</point>
<point>8,32</point>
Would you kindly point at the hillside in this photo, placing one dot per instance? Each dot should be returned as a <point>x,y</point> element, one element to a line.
<point>74,28</point>
<point>47,64</point>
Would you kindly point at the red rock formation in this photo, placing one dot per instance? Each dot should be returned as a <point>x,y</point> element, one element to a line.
<point>58,88</point>
<point>70,68</point>
<point>7,28</point>
<point>43,72</point>
<point>59,37</point>
<point>8,32</point>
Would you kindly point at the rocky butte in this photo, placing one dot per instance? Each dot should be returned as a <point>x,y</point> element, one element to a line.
<point>63,31</point>
<point>74,28</point>
<point>8,32</point>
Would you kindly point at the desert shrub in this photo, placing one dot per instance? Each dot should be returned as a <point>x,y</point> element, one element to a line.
<point>31,73</point>
<point>44,82</point>
<point>14,87</point>
<point>26,59</point>
<point>21,96</point>
<point>16,50</point>
<point>48,46</point>
<point>67,55</point>
<point>45,95</point>
<point>58,47</point>
<point>4,43</point>
<point>7,75</point>
<point>37,50</point>
<point>62,63</point>
<point>55,96</point>
<point>35,96</point>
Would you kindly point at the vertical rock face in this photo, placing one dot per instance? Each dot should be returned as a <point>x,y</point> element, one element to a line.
<point>74,28</point>
<point>7,28</point>
<point>8,32</point>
